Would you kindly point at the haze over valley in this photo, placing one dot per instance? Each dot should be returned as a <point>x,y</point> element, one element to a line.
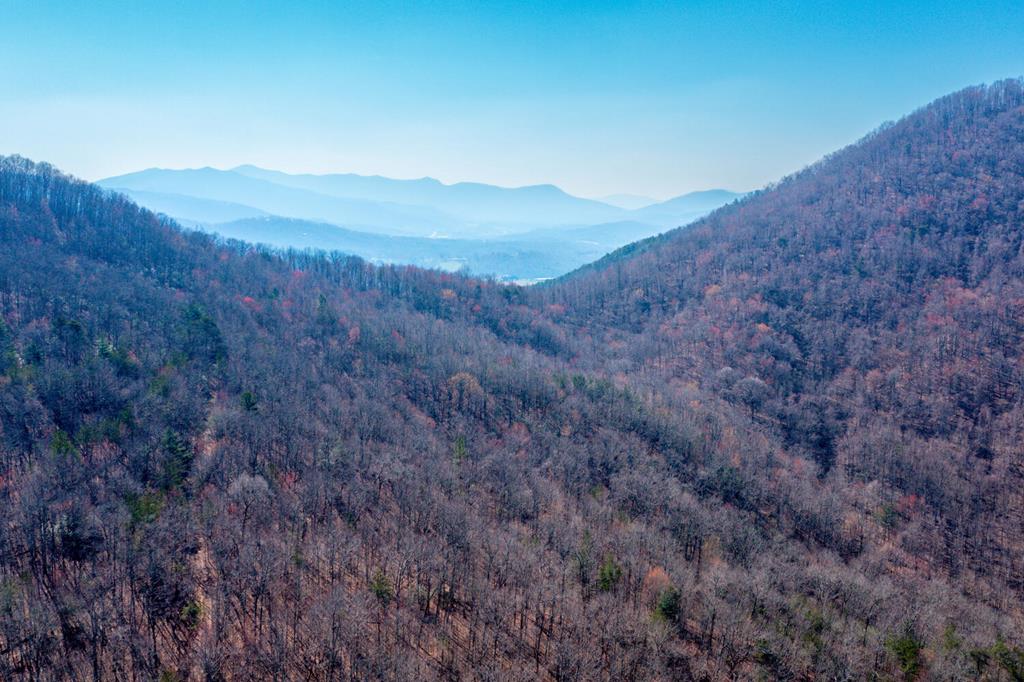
<point>518,234</point>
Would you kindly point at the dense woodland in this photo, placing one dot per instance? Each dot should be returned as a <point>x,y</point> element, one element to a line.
<point>783,443</point>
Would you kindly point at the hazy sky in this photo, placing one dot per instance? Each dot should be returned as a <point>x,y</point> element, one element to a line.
<point>642,97</point>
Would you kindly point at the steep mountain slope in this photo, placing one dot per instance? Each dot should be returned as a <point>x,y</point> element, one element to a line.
<point>222,462</point>
<point>869,311</point>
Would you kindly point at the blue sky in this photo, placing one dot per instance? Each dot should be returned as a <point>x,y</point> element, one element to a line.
<point>654,98</point>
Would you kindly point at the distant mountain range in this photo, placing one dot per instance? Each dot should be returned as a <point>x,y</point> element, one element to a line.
<point>486,229</point>
<point>483,209</point>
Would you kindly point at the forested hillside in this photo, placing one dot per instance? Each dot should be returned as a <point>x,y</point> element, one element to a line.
<point>869,313</point>
<point>782,444</point>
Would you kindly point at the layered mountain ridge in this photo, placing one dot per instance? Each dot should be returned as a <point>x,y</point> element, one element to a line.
<point>525,233</point>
